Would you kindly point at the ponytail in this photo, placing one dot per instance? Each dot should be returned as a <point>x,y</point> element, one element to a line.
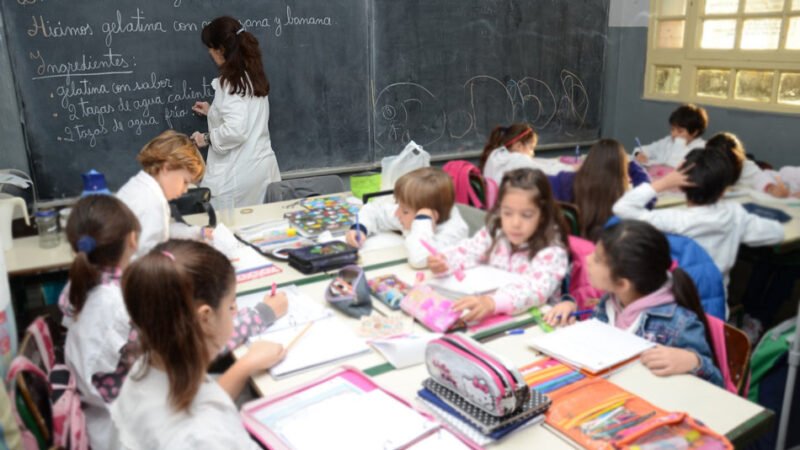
<point>162,292</point>
<point>685,293</point>
<point>500,136</point>
<point>97,230</point>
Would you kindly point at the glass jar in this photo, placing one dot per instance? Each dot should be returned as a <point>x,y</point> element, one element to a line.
<point>47,223</point>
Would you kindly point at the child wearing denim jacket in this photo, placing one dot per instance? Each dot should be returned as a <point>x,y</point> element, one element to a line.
<point>525,234</point>
<point>647,296</point>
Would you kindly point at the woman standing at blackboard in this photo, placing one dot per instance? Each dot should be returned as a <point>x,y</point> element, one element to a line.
<point>241,162</point>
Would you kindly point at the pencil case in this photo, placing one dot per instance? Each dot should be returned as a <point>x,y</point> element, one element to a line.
<point>480,378</point>
<point>673,431</point>
<point>432,309</point>
<point>389,289</point>
<point>349,293</point>
<point>322,257</point>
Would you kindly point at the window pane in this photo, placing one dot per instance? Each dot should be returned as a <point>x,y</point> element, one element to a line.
<point>789,89</point>
<point>757,6</point>
<point>795,5</point>
<point>722,6</point>
<point>670,34</point>
<point>754,85</point>
<point>761,34</point>
<point>713,83</point>
<point>793,36</point>
<point>718,34</point>
<point>672,7</point>
<point>668,80</point>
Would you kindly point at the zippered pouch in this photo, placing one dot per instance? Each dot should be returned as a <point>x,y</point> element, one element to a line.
<point>389,289</point>
<point>463,366</point>
<point>431,309</point>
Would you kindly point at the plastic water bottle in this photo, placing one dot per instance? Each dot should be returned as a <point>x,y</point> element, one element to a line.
<point>47,223</point>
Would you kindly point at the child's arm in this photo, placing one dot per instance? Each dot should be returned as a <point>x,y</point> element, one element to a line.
<point>179,230</point>
<point>261,356</point>
<point>253,321</point>
<point>468,253</point>
<point>653,152</point>
<point>231,134</point>
<point>760,231</point>
<point>637,174</point>
<point>441,235</point>
<point>374,218</point>
<point>108,384</point>
<point>688,353</point>
<point>542,278</point>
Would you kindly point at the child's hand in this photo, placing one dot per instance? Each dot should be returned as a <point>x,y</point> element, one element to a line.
<point>561,314</point>
<point>262,355</point>
<point>778,189</point>
<point>479,306</point>
<point>437,264</point>
<point>355,238</point>
<point>641,158</point>
<point>676,179</point>
<point>199,139</point>
<point>430,213</point>
<point>664,361</point>
<point>279,303</point>
<point>200,108</point>
<point>207,234</point>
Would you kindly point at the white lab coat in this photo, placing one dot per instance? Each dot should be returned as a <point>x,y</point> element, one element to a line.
<point>379,217</point>
<point>241,162</point>
<point>719,228</point>
<point>668,151</point>
<point>501,161</point>
<point>93,345</point>
<point>143,417</point>
<point>143,195</point>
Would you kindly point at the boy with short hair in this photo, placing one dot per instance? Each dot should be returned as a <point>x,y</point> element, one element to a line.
<point>687,124</point>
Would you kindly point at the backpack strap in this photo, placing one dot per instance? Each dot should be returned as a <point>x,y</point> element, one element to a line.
<point>69,423</point>
<point>22,364</point>
<point>40,332</point>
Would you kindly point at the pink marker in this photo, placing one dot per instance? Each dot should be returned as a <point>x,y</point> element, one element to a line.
<point>274,287</point>
<point>459,274</point>
<point>428,247</point>
<point>420,277</point>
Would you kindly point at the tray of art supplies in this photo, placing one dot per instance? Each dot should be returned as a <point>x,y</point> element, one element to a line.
<point>248,263</point>
<point>334,214</point>
<point>345,403</point>
<point>272,239</point>
<point>548,375</point>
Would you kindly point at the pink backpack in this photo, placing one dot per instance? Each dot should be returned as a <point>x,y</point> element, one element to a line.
<point>579,287</point>
<point>464,174</point>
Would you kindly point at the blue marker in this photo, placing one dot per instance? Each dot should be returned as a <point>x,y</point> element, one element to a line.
<point>515,331</point>
<point>358,231</point>
<point>577,153</point>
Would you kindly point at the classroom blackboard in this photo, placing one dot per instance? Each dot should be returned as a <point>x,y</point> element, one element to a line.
<point>351,80</point>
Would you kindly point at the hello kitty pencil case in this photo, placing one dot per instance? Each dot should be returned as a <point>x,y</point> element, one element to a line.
<point>480,378</point>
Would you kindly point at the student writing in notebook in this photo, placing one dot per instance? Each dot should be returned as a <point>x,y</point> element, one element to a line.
<point>687,123</point>
<point>168,400</point>
<point>525,234</point>
<point>425,211</point>
<point>102,232</point>
<point>512,147</point>
<point>170,162</point>
<point>648,296</point>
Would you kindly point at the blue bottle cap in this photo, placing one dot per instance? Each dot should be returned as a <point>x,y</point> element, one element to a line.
<point>94,182</point>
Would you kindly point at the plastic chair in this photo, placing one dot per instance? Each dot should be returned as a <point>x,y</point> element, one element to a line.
<point>303,187</point>
<point>571,215</point>
<point>474,217</point>
<point>737,346</point>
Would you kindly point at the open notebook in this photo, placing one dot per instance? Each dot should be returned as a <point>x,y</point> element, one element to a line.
<point>477,280</point>
<point>591,345</point>
<point>302,308</point>
<point>247,262</point>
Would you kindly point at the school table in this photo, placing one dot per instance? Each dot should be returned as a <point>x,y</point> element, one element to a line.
<point>737,418</point>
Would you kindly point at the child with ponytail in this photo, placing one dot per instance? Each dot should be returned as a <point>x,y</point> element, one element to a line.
<point>512,147</point>
<point>102,232</point>
<point>181,298</point>
<point>650,297</point>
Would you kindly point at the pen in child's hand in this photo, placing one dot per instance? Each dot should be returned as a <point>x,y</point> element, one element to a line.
<point>428,247</point>
<point>577,153</point>
<point>577,313</point>
<point>638,143</point>
<point>274,286</point>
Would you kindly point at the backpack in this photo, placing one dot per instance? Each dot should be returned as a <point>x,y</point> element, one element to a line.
<point>470,186</point>
<point>578,285</point>
<point>69,423</point>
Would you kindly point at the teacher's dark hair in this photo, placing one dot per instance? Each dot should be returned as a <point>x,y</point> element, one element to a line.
<point>242,69</point>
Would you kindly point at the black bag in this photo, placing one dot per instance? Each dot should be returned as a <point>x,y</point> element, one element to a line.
<point>322,257</point>
<point>194,201</point>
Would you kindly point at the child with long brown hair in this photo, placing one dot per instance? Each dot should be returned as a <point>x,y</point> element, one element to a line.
<point>102,232</point>
<point>182,299</point>
<point>424,212</point>
<point>525,234</point>
<point>649,297</point>
<point>170,162</point>
<point>241,162</point>
<point>513,147</point>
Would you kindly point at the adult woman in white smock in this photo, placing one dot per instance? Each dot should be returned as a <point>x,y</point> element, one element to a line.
<point>241,162</point>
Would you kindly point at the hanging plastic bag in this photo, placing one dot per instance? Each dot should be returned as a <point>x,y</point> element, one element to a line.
<point>393,167</point>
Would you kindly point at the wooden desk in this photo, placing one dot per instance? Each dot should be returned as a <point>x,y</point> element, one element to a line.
<point>726,413</point>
